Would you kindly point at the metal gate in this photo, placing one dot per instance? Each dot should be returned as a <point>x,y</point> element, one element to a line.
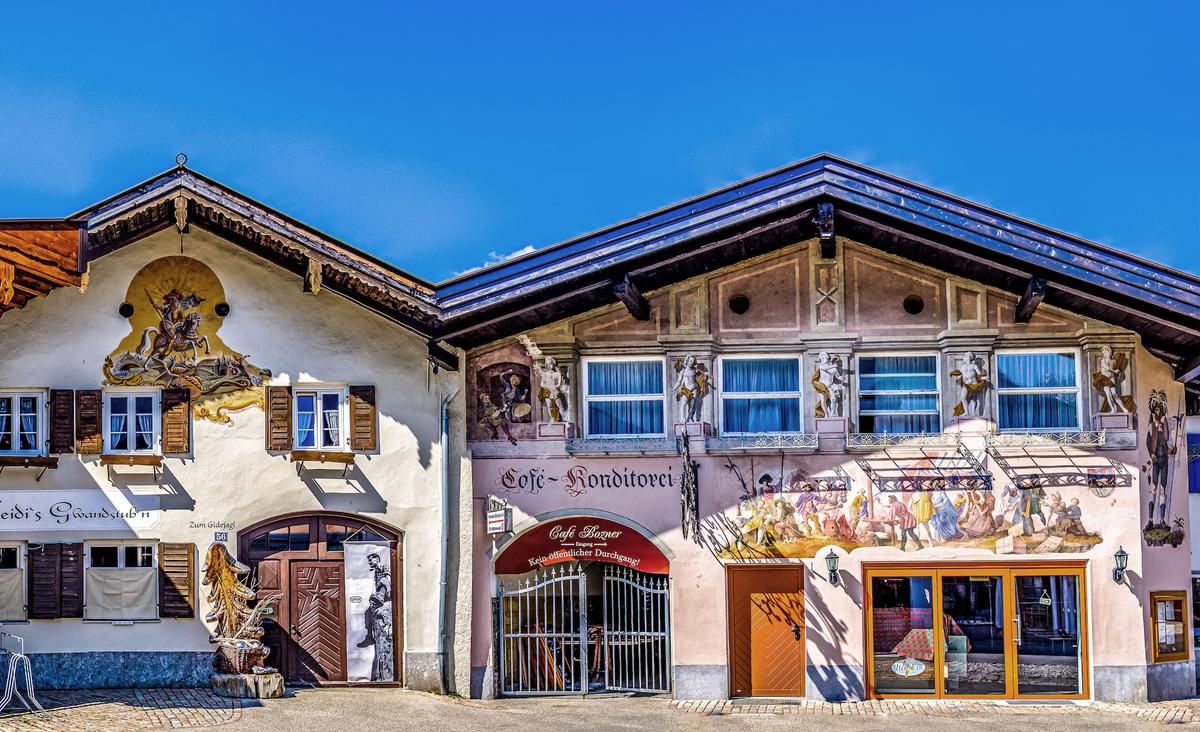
<point>543,633</point>
<point>637,641</point>
<point>547,646</point>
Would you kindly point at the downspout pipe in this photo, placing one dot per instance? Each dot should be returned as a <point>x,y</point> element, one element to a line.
<point>444,581</point>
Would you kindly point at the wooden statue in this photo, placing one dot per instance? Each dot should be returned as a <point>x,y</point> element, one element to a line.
<point>238,626</point>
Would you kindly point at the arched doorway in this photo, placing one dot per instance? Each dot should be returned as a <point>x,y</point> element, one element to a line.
<point>301,557</point>
<point>584,607</point>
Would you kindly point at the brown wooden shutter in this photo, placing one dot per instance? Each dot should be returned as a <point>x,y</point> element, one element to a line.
<point>176,421</point>
<point>279,418</point>
<point>44,601</point>
<point>89,421</point>
<point>363,430</point>
<point>176,580</point>
<point>55,581</point>
<point>70,580</point>
<point>62,421</point>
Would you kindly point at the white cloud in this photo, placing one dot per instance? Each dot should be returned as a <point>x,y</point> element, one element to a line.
<point>497,258</point>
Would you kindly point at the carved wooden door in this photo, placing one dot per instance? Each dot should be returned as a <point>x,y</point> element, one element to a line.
<point>317,652</point>
<point>766,631</point>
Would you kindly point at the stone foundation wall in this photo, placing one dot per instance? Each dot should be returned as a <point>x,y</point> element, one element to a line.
<point>121,669</point>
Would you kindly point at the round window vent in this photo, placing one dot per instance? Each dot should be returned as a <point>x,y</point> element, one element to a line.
<point>739,304</point>
<point>914,304</point>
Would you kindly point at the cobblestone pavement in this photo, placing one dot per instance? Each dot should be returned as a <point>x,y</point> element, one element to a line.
<point>124,709</point>
<point>361,708</point>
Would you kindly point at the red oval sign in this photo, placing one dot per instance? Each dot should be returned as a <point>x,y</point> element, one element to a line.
<point>581,539</point>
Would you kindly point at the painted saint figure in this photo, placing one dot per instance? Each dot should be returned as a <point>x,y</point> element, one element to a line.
<point>1106,380</point>
<point>972,383</point>
<point>552,390</point>
<point>377,619</point>
<point>829,381</point>
<point>691,386</point>
<point>1161,448</point>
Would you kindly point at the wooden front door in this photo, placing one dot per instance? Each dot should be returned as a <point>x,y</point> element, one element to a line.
<point>766,631</point>
<point>318,623</point>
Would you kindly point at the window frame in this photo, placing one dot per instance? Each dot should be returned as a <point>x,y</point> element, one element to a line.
<point>585,365</point>
<point>155,419</point>
<point>994,378</point>
<point>719,389</point>
<point>319,389</point>
<point>22,549</point>
<point>1157,656</point>
<point>42,439</point>
<point>120,546</point>
<point>936,391</point>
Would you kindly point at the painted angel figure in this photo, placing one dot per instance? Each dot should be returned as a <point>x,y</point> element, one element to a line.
<point>691,386</point>
<point>829,381</point>
<point>972,383</point>
<point>552,391</point>
<point>1105,381</point>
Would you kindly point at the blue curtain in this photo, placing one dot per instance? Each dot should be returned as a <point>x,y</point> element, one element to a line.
<point>305,416</point>
<point>1038,412</point>
<point>761,415</point>
<point>329,420</point>
<point>116,431</point>
<point>29,431</point>
<point>640,417</point>
<point>897,408</point>
<point>1193,442</point>
<point>1035,370</point>
<point>143,408</point>
<point>623,378</point>
<point>760,375</point>
<point>5,424</point>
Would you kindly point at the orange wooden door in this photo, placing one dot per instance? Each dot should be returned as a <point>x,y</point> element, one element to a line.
<point>766,631</point>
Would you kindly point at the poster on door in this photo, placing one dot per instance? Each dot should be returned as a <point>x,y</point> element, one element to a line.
<point>370,649</point>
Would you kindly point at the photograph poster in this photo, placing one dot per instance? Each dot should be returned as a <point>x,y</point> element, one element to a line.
<point>370,649</point>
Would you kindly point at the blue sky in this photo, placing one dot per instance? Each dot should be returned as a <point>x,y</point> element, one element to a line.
<point>437,135</point>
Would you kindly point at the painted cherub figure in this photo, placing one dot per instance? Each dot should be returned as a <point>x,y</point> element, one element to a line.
<point>829,381</point>
<point>691,386</point>
<point>1105,381</point>
<point>972,383</point>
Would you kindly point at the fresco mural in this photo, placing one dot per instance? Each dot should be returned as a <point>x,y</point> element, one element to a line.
<point>178,307</point>
<point>503,392</point>
<point>784,512</point>
<point>1162,445</point>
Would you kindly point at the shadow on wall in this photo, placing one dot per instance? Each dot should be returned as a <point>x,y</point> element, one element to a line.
<point>168,493</point>
<point>831,634</point>
<point>359,495</point>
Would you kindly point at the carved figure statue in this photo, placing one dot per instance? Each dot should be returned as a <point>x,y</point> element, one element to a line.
<point>1106,379</point>
<point>238,627</point>
<point>552,390</point>
<point>691,386</point>
<point>972,386</point>
<point>829,381</point>
<point>1161,444</point>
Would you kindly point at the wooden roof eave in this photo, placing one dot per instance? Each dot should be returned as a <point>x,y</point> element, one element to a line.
<point>36,257</point>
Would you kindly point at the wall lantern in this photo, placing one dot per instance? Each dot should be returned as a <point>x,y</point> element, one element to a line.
<point>831,564</point>
<point>1120,562</point>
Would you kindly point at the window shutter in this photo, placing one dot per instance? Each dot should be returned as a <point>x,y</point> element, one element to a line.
<point>89,421</point>
<point>176,580</point>
<point>279,418</point>
<point>55,581</point>
<point>70,580</point>
<point>176,421</point>
<point>44,598</point>
<point>62,421</point>
<point>363,430</point>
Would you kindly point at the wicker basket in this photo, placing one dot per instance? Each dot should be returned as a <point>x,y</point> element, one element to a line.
<point>239,658</point>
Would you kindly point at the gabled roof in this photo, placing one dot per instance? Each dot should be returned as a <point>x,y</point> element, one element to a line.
<point>778,208</point>
<point>181,195</point>
<point>37,256</point>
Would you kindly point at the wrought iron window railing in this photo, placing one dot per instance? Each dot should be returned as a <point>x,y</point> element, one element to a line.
<point>866,440</point>
<point>1090,438</point>
<point>621,445</point>
<point>766,441</point>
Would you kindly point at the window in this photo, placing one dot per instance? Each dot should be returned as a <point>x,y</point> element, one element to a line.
<point>293,538</point>
<point>120,581</point>
<point>1037,391</point>
<point>1168,627</point>
<point>1193,462</point>
<point>131,422</point>
<point>336,536</point>
<point>624,398</point>
<point>760,395</point>
<point>21,423</point>
<point>12,582</point>
<point>320,419</point>
<point>898,394</point>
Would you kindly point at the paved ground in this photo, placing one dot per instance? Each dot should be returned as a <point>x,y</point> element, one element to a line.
<point>393,709</point>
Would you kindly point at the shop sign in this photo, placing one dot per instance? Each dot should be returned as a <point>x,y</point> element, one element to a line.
<point>579,479</point>
<point>581,538</point>
<point>499,521</point>
<point>908,667</point>
<point>74,510</point>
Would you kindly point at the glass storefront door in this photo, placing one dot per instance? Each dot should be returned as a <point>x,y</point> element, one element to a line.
<point>1004,632</point>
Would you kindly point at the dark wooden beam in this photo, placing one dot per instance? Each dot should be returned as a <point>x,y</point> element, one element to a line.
<point>636,303</point>
<point>824,222</point>
<point>1035,292</point>
<point>442,358</point>
<point>1188,370</point>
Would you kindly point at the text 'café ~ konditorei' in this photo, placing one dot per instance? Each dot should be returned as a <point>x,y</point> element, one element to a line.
<point>824,433</point>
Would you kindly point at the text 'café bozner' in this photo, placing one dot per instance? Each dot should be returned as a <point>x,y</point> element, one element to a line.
<point>824,433</point>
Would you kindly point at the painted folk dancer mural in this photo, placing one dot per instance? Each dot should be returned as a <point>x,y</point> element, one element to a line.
<point>176,305</point>
<point>503,390</point>
<point>1162,446</point>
